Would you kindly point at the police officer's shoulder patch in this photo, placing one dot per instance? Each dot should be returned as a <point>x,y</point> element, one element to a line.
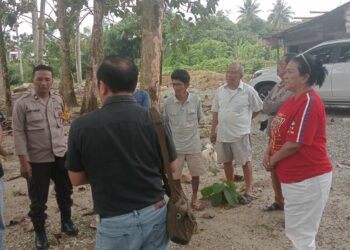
<point>24,96</point>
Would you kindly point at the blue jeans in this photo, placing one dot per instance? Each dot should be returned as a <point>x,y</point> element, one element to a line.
<point>141,229</point>
<point>2,227</point>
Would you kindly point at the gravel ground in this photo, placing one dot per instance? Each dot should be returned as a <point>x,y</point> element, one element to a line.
<point>243,227</point>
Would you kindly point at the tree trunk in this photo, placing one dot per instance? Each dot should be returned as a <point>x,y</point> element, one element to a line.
<point>35,28</point>
<point>66,82</point>
<point>151,54</point>
<point>5,91</point>
<point>19,55</point>
<point>41,32</point>
<point>78,53</point>
<point>95,58</point>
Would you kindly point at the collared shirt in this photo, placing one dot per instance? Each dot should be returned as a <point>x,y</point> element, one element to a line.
<point>273,101</point>
<point>117,146</point>
<point>38,128</point>
<point>235,109</point>
<point>184,119</point>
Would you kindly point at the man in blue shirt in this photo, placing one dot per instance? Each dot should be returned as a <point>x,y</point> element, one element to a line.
<point>142,97</point>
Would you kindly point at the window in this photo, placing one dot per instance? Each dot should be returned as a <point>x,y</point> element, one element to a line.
<point>344,55</point>
<point>323,54</point>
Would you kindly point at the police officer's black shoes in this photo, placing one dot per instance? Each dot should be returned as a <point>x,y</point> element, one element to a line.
<point>68,227</point>
<point>41,242</point>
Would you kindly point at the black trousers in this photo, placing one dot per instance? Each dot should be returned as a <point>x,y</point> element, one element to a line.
<point>38,189</point>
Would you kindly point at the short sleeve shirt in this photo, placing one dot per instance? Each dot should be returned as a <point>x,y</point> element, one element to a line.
<point>235,109</point>
<point>183,118</point>
<point>117,146</point>
<point>301,120</point>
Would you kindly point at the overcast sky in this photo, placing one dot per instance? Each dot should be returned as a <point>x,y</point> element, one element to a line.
<point>301,8</point>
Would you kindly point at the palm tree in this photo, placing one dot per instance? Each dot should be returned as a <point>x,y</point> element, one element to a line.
<point>280,15</point>
<point>249,10</point>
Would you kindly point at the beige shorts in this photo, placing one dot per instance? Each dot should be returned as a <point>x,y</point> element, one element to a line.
<point>239,151</point>
<point>194,163</point>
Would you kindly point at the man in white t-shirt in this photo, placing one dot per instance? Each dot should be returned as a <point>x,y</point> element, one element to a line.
<point>234,105</point>
<point>184,110</point>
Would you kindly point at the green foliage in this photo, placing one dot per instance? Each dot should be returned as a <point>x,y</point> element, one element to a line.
<point>14,73</point>
<point>220,193</point>
<point>206,50</point>
<point>194,7</point>
<point>124,38</point>
<point>209,43</point>
<point>53,55</point>
<point>216,65</point>
<point>9,11</point>
<point>212,43</point>
<point>280,16</point>
<point>249,10</point>
<point>216,27</point>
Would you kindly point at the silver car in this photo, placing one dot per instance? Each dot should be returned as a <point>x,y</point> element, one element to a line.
<point>335,56</point>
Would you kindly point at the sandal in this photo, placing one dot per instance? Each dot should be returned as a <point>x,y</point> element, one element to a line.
<point>197,205</point>
<point>246,199</point>
<point>273,207</point>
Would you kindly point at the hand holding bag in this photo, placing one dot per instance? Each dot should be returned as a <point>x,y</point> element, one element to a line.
<point>181,223</point>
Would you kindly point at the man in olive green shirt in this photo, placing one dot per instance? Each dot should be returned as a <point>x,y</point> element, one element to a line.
<point>184,110</point>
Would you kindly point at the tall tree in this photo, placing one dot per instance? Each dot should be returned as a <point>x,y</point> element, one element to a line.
<point>35,29</point>
<point>249,20</point>
<point>78,52</point>
<point>151,54</point>
<point>152,26</point>
<point>249,10</point>
<point>5,91</point>
<point>8,17</point>
<point>280,15</point>
<point>38,29</point>
<point>122,7</point>
<point>41,32</point>
<point>95,58</point>
<point>67,16</point>
<point>21,73</point>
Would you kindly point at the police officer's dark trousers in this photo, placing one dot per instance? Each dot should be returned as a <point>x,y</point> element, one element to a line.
<point>38,189</point>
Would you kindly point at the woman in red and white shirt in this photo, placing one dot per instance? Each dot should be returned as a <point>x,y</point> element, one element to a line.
<point>298,151</point>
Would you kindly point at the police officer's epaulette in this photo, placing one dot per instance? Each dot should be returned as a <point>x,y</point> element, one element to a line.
<point>26,95</point>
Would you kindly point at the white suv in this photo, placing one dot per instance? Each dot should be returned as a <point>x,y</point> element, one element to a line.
<point>335,56</point>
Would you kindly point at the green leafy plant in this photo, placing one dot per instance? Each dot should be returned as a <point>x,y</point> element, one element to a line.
<point>220,193</point>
